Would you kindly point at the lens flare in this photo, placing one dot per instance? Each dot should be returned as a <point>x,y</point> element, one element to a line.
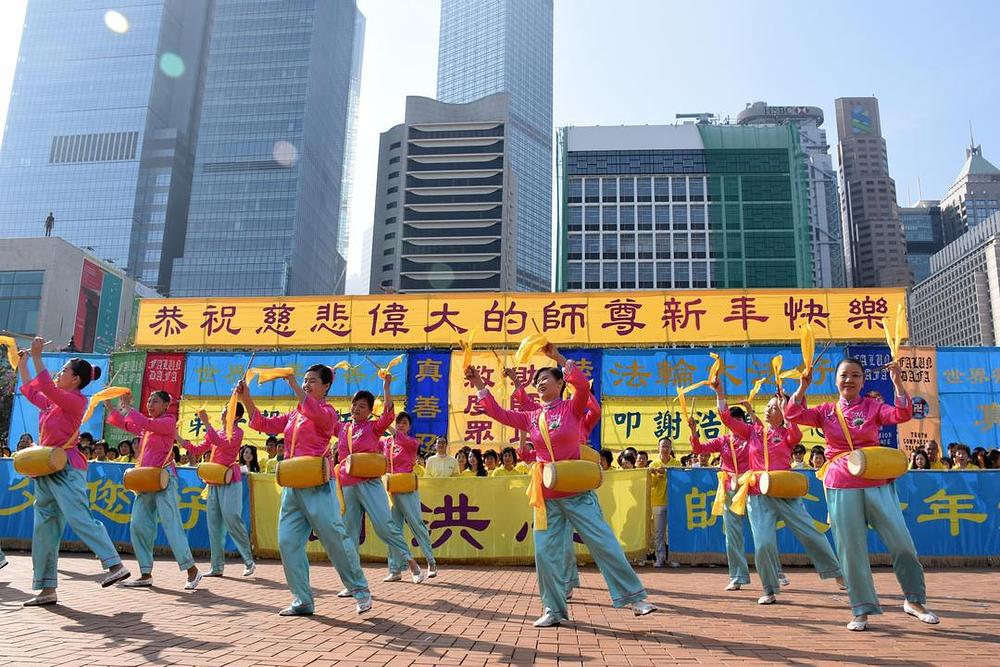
<point>116,21</point>
<point>285,153</point>
<point>171,65</point>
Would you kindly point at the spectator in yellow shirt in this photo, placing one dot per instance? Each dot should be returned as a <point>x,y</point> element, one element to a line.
<point>510,465</point>
<point>658,499</point>
<point>441,465</point>
<point>607,458</point>
<point>934,455</point>
<point>798,457</point>
<point>641,460</point>
<point>961,457</point>
<point>125,453</point>
<point>491,460</point>
<point>919,460</point>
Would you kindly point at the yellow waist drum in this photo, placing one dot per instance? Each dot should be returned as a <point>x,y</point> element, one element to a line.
<point>783,484</point>
<point>401,482</point>
<point>302,472</point>
<point>215,473</point>
<point>367,465</point>
<point>877,463</point>
<point>146,479</point>
<point>39,461</point>
<point>572,476</point>
<point>588,453</point>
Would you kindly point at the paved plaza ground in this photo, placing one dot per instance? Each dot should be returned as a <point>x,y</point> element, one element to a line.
<point>483,615</point>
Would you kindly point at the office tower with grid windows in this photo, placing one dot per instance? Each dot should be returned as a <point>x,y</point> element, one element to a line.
<point>827,247</point>
<point>959,302</point>
<point>100,129</point>
<point>268,185</point>
<point>444,208</point>
<point>874,244</point>
<point>506,46</point>
<point>682,206</point>
<point>973,197</point>
<point>924,231</point>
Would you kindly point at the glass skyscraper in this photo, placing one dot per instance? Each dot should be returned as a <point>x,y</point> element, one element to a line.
<point>265,213</point>
<point>99,129</point>
<point>496,46</point>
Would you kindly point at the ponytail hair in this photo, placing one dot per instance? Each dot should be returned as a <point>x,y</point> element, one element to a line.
<point>82,369</point>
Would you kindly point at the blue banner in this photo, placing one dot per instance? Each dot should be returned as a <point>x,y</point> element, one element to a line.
<point>110,503</point>
<point>428,374</point>
<point>877,382</point>
<point>590,362</point>
<point>658,373</point>
<point>968,418</point>
<point>968,370</point>
<point>947,513</point>
<point>215,373</point>
<point>24,415</point>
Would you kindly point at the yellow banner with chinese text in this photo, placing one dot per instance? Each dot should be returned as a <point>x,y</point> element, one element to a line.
<point>475,520</point>
<point>581,319</point>
<point>641,422</point>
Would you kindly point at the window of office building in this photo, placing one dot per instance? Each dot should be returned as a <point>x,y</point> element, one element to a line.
<point>20,296</point>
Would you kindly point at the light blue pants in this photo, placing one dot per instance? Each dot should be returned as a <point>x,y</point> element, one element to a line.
<point>371,497</point>
<point>660,534</point>
<point>225,514</point>
<point>162,505</point>
<point>851,512</point>
<point>316,509</point>
<point>571,568</point>
<point>63,498</point>
<point>732,524</point>
<point>764,513</point>
<point>583,514</point>
<point>406,509</point>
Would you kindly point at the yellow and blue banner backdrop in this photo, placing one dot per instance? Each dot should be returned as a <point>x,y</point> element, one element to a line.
<point>476,520</point>
<point>949,514</point>
<point>110,503</point>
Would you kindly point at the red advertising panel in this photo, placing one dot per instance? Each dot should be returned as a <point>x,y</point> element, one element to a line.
<point>88,305</point>
<point>164,371</point>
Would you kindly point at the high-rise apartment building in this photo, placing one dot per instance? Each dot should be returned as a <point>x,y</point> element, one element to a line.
<point>445,202</point>
<point>924,231</point>
<point>506,46</point>
<point>682,206</point>
<point>959,303</point>
<point>265,213</point>
<point>825,242</point>
<point>973,197</point>
<point>874,245</point>
<point>100,129</point>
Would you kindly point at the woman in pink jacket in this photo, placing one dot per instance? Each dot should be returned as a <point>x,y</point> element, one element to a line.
<point>855,502</point>
<point>564,421</point>
<point>62,497</point>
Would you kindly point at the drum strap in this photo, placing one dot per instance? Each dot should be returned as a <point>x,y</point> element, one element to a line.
<point>821,473</point>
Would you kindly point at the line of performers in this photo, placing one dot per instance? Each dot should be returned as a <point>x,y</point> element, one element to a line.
<point>324,500</point>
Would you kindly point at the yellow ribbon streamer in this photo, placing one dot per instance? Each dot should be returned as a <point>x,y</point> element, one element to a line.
<point>719,506</point>
<point>530,345</point>
<point>466,346</point>
<point>383,373</point>
<point>535,497</point>
<point>807,340</point>
<point>739,504</point>
<point>343,365</point>
<point>894,338</point>
<point>11,345</point>
<point>268,374</point>
<point>106,394</point>
<point>756,388</point>
<point>716,369</point>
<point>231,414</point>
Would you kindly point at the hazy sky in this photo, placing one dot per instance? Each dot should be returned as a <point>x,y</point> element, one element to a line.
<point>934,66</point>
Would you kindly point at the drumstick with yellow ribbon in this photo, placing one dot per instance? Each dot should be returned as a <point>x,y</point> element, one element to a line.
<point>893,338</point>
<point>234,401</point>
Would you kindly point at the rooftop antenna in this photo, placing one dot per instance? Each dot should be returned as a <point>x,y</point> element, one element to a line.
<point>972,141</point>
<point>920,189</point>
